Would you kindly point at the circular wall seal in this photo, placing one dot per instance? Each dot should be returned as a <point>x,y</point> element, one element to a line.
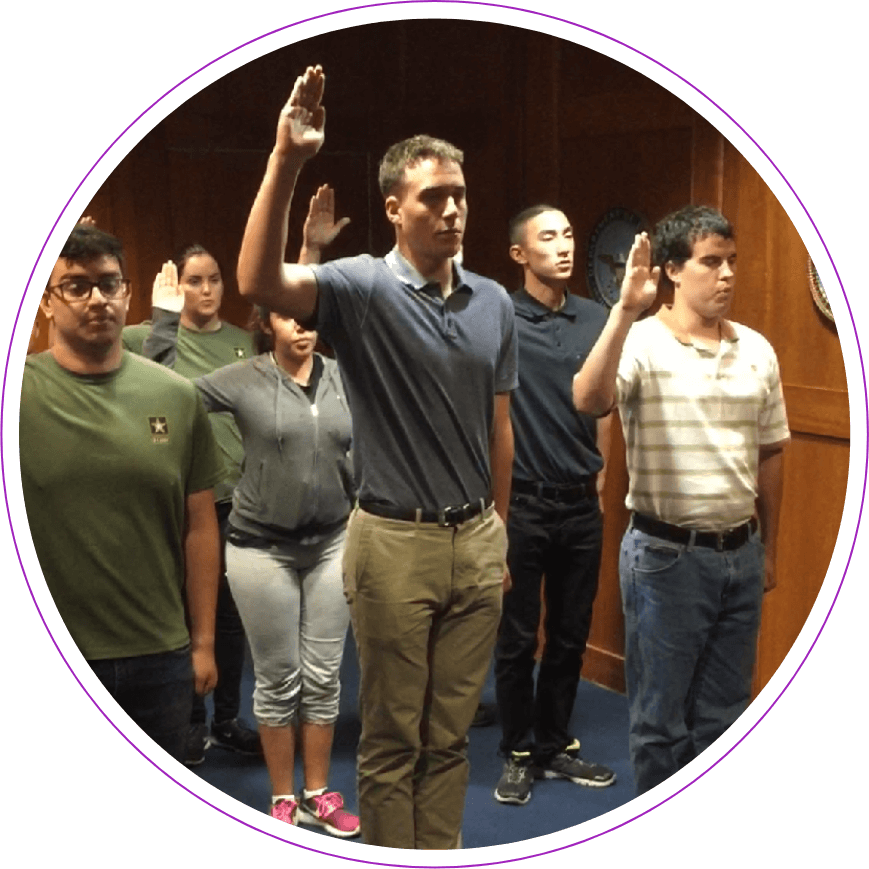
<point>818,293</point>
<point>608,249</point>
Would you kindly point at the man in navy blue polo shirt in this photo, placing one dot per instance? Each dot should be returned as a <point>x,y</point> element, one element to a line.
<point>555,525</point>
<point>427,352</point>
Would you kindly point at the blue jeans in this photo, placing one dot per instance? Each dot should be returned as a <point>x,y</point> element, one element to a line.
<point>155,691</point>
<point>692,616</point>
<point>563,542</point>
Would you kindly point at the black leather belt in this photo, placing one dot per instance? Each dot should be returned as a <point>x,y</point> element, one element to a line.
<point>446,517</point>
<point>556,491</point>
<point>720,540</point>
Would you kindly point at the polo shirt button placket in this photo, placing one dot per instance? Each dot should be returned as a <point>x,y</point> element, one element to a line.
<point>449,325</point>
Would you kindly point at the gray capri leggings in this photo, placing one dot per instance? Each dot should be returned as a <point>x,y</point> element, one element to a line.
<point>291,601</point>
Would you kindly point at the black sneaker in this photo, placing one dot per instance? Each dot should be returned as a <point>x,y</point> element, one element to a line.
<point>568,764</point>
<point>514,786</point>
<point>197,743</point>
<point>235,735</point>
<point>485,715</point>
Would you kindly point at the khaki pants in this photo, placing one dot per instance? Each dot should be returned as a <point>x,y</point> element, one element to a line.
<point>425,603</point>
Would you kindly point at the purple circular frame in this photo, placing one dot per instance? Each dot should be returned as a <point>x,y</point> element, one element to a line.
<point>404,3</point>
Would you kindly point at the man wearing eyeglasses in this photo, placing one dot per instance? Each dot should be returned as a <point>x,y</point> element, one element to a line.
<point>117,464</point>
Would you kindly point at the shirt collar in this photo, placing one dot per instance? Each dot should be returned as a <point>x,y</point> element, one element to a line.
<point>410,277</point>
<point>214,326</point>
<point>728,332</point>
<point>526,305</point>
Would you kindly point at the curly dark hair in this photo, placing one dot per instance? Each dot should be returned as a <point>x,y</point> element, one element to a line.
<point>87,242</point>
<point>675,235</point>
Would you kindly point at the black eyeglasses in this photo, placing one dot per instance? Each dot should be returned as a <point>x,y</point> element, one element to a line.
<point>81,289</point>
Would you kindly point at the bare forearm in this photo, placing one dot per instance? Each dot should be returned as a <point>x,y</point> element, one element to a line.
<point>604,438</point>
<point>202,567</point>
<point>261,270</point>
<point>770,485</point>
<point>502,465</point>
<point>594,385</point>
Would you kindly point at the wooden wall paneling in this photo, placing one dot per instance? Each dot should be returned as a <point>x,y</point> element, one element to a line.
<point>707,164</point>
<point>645,172</point>
<point>541,120</point>
<point>603,96</point>
<point>816,479</point>
<point>604,658</point>
<point>818,411</point>
<point>100,208</point>
<point>141,192</point>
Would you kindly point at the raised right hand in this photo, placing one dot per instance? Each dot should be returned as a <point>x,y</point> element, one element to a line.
<point>640,284</point>
<point>166,294</point>
<point>301,126</point>
<point>320,227</point>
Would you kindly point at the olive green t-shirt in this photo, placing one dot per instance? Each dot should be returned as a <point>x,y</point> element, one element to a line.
<point>134,336</point>
<point>195,354</point>
<point>106,464</point>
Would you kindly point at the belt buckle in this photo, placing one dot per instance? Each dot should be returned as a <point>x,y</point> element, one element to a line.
<point>450,516</point>
<point>720,538</point>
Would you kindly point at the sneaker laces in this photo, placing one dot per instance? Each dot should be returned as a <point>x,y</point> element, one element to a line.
<point>328,804</point>
<point>516,772</point>
<point>285,810</point>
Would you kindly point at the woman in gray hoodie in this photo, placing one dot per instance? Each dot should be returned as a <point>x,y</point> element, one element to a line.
<point>286,529</point>
<point>284,550</point>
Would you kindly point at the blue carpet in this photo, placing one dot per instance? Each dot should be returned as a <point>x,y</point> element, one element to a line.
<point>600,719</point>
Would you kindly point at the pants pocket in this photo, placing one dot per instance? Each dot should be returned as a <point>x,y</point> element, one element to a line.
<point>354,555</point>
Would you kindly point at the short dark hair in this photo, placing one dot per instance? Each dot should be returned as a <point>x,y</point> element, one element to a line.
<point>410,152</point>
<point>86,243</point>
<point>517,224</point>
<point>191,250</point>
<point>675,235</point>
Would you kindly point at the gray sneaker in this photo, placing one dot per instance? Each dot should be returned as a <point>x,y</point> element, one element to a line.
<point>514,786</point>
<point>575,769</point>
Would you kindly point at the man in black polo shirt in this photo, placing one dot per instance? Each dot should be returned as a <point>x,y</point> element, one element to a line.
<point>554,523</point>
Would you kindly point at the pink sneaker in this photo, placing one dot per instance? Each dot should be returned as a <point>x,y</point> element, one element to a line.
<point>327,811</point>
<point>286,811</point>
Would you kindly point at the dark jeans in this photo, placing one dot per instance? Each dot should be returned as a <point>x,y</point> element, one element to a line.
<point>229,642</point>
<point>561,541</point>
<point>155,691</point>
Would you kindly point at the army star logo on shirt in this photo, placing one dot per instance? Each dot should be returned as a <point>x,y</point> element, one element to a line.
<point>239,352</point>
<point>159,429</point>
